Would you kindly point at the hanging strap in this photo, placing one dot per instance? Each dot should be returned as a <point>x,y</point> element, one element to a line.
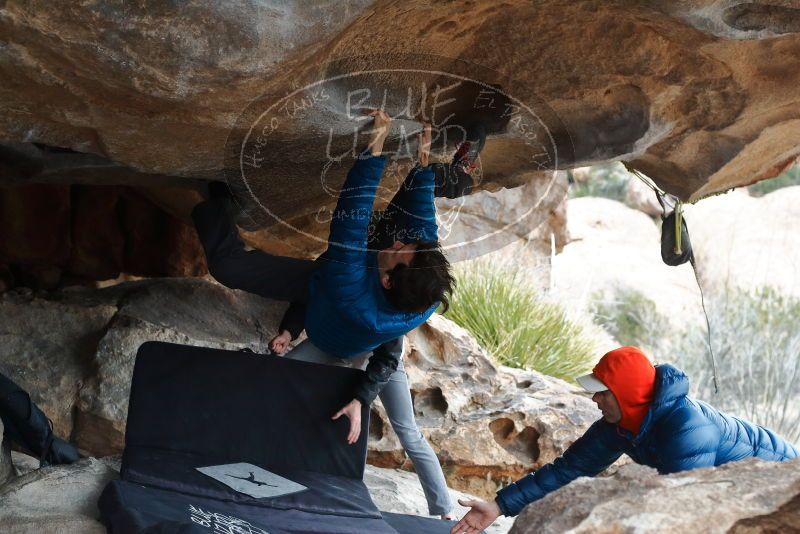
<point>678,250</point>
<point>708,328</point>
<point>679,227</point>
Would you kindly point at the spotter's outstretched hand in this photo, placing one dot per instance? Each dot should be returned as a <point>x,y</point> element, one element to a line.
<point>481,515</point>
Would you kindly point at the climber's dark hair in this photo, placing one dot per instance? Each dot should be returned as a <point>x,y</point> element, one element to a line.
<point>423,282</point>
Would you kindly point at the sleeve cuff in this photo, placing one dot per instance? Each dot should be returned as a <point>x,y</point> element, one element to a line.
<point>502,506</point>
<point>510,493</point>
<point>363,399</point>
<point>366,155</point>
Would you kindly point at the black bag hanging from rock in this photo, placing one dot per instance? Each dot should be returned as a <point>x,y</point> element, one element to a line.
<point>675,250</point>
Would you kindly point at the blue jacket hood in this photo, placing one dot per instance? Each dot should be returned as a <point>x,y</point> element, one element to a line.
<point>671,386</point>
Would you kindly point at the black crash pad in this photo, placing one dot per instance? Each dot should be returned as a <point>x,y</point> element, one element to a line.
<point>192,407</point>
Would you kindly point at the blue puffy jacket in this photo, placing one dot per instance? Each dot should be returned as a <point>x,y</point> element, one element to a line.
<point>348,313</point>
<point>678,433</point>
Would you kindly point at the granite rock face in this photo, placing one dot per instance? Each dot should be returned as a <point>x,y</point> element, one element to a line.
<point>48,347</point>
<point>702,95</point>
<point>749,496</point>
<point>73,351</point>
<point>57,499</point>
<point>488,424</point>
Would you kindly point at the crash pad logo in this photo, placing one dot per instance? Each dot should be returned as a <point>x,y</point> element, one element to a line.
<point>287,156</point>
<point>221,523</point>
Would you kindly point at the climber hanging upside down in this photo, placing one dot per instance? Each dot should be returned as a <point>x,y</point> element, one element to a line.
<point>380,278</point>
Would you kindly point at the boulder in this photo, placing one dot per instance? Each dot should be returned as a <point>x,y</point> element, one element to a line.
<point>700,95</point>
<point>49,345</point>
<point>488,424</point>
<point>488,221</point>
<point>187,311</point>
<point>748,496</point>
<point>398,491</point>
<point>640,197</point>
<point>57,499</point>
<point>23,463</point>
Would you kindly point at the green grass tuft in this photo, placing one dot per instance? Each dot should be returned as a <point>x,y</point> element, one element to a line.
<point>501,310</point>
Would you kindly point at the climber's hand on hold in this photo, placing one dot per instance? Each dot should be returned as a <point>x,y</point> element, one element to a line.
<point>280,343</point>
<point>380,129</point>
<point>424,143</point>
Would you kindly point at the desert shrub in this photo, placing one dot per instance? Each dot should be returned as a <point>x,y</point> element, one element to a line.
<point>607,181</point>
<point>630,317</point>
<point>756,340</point>
<point>516,325</point>
<point>787,179</point>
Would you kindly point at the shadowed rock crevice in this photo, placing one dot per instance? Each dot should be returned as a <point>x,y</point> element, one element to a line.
<point>429,404</point>
<point>751,16</point>
<point>784,519</point>
<point>608,125</point>
<point>53,235</point>
<point>522,445</point>
<point>375,425</point>
<point>30,163</point>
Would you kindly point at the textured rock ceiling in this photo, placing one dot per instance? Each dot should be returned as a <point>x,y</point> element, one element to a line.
<point>701,95</point>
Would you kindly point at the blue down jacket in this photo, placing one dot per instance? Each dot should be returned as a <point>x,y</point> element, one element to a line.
<point>678,433</point>
<point>347,312</point>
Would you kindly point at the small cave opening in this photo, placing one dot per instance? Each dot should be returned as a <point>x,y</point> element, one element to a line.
<point>375,425</point>
<point>523,445</point>
<point>430,405</point>
<point>69,218</point>
<point>57,235</point>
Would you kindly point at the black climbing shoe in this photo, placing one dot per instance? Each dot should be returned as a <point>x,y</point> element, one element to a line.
<point>466,157</point>
<point>219,190</point>
<point>61,452</point>
<point>29,428</point>
<point>456,179</point>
